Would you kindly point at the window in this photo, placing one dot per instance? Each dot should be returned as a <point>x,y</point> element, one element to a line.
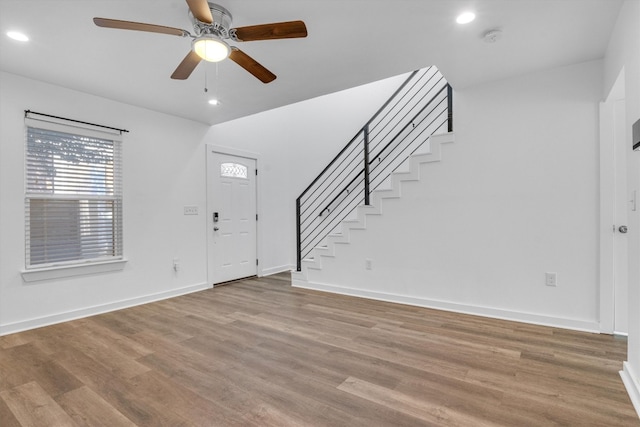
<point>233,170</point>
<point>73,195</point>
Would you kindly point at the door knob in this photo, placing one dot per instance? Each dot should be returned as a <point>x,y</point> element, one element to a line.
<point>622,229</point>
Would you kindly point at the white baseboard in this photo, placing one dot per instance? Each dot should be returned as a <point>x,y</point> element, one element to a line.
<point>275,270</point>
<point>631,384</point>
<point>98,309</point>
<point>535,319</point>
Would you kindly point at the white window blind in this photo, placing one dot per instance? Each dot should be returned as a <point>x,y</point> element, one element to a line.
<point>73,195</point>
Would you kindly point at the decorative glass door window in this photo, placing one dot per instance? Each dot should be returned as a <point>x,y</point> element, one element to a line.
<point>233,170</point>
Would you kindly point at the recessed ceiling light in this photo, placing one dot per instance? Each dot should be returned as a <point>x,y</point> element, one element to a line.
<point>214,102</point>
<point>18,36</point>
<point>465,18</point>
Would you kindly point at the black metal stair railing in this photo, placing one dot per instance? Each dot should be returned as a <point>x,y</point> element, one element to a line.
<point>421,107</point>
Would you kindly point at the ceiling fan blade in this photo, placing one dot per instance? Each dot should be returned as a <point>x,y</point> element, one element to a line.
<point>277,30</point>
<point>138,26</point>
<point>251,65</point>
<point>200,10</point>
<point>186,67</point>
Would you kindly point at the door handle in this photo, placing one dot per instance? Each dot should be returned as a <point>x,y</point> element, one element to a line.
<point>622,229</point>
<point>215,229</point>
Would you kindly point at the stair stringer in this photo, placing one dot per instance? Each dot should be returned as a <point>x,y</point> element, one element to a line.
<point>327,247</point>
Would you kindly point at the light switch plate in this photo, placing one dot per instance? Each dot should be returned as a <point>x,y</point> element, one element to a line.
<point>191,210</point>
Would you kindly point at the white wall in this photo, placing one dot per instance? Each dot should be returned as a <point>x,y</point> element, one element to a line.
<point>514,197</point>
<point>295,143</point>
<point>164,169</point>
<point>623,53</point>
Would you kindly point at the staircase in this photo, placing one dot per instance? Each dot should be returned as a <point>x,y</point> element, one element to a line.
<point>311,268</point>
<point>407,131</point>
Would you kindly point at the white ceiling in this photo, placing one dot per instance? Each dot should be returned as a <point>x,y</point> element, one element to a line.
<point>350,43</point>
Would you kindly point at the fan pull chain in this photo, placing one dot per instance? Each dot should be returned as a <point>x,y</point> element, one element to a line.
<point>215,83</point>
<point>214,100</point>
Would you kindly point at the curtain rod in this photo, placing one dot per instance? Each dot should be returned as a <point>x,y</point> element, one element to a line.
<point>26,112</point>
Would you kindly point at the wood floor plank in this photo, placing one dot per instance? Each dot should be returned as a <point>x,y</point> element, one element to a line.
<point>176,355</point>
<point>117,391</point>
<point>258,352</point>
<point>39,367</point>
<point>310,402</point>
<point>119,322</point>
<point>196,409</point>
<point>12,372</point>
<point>131,321</point>
<point>117,342</point>
<point>51,338</point>
<point>105,354</point>
<point>7,419</point>
<point>141,409</point>
<point>433,414</point>
<point>335,312</point>
<point>33,407</point>
<point>277,379</point>
<point>9,341</point>
<point>265,415</point>
<point>88,409</point>
<point>86,369</point>
<point>215,387</point>
<point>556,412</point>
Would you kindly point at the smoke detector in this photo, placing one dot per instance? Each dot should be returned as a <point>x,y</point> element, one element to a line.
<point>492,36</point>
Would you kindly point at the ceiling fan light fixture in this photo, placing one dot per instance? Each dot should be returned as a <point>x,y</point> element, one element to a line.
<point>211,48</point>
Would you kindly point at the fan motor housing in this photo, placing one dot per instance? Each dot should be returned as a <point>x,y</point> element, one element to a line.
<point>221,22</point>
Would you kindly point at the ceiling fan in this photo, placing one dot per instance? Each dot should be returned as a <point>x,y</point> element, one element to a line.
<point>212,26</point>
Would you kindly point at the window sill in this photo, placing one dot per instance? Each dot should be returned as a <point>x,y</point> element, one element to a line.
<point>48,273</point>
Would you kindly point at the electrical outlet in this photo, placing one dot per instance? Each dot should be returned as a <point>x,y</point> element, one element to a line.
<point>367,264</point>
<point>551,279</point>
<point>191,210</point>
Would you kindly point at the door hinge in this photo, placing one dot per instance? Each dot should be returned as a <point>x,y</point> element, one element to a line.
<point>256,171</point>
<point>256,217</point>
<point>256,261</point>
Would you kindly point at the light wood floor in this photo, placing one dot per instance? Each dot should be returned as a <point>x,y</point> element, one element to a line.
<point>260,353</point>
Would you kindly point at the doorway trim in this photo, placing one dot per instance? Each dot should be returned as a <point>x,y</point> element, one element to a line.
<point>607,300</point>
<point>238,153</point>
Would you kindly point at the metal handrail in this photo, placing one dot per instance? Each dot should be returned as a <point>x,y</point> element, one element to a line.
<point>343,167</point>
<point>380,110</point>
<point>377,156</point>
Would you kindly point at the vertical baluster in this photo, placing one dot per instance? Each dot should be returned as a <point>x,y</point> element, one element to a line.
<point>298,236</point>
<point>449,108</point>
<point>366,164</point>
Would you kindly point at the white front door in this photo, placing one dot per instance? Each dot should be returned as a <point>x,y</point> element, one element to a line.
<point>232,217</point>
